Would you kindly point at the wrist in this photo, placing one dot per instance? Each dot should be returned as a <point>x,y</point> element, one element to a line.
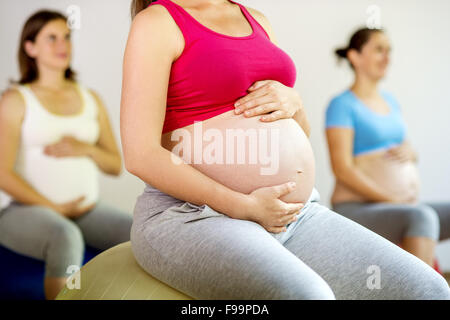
<point>52,206</point>
<point>243,204</point>
<point>386,198</point>
<point>89,150</point>
<point>235,204</point>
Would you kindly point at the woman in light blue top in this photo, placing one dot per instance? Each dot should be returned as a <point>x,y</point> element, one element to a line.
<point>377,182</point>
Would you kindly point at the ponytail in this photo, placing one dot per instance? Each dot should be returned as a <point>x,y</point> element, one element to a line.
<point>341,53</point>
<point>139,5</point>
<point>358,40</point>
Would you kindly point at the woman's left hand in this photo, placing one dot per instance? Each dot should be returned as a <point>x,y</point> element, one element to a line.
<point>271,99</point>
<point>67,147</point>
<point>402,153</point>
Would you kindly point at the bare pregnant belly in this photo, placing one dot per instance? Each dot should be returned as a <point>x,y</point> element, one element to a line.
<point>245,154</point>
<point>400,179</point>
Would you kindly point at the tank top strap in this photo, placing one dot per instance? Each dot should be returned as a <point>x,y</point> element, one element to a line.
<point>256,26</point>
<point>182,19</point>
<point>89,101</point>
<point>28,96</point>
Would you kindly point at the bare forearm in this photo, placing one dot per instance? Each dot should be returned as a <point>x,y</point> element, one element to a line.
<point>186,183</point>
<point>362,184</point>
<point>109,163</point>
<point>21,191</point>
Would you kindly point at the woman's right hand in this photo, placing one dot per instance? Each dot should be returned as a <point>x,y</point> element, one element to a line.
<point>265,207</point>
<point>71,209</point>
<point>405,199</point>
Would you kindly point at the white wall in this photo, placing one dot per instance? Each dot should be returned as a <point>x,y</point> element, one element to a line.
<point>308,31</point>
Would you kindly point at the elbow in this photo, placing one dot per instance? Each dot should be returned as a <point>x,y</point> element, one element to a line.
<point>136,160</point>
<point>132,165</point>
<point>118,168</point>
<point>2,179</point>
<point>131,168</point>
<point>116,172</point>
<point>5,177</point>
<point>341,172</point>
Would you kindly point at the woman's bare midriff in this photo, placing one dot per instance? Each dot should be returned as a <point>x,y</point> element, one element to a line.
<point>399,179</point>
<point>273,153</point>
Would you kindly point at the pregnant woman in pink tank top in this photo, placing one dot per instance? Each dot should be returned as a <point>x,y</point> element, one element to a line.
<point>218,218</point>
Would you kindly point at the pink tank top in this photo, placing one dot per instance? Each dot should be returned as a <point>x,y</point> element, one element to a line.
<point>215,70</point>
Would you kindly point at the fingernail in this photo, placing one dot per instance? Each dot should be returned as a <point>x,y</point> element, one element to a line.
<point>238,111</point>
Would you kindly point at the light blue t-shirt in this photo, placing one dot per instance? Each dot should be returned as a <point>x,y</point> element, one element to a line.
<point>372,131</point>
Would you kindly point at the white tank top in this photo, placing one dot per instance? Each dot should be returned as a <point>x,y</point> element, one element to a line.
<point>58,179</point>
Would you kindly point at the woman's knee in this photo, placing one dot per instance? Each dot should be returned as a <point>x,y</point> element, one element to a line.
<point>299,285</point>
<point>423,222</point>
<point>65,232</point>
<point>64,249</point>
<point>432,287</point>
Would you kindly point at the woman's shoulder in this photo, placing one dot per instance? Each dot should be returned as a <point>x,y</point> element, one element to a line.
<point>390,98</point>
<point>12,97</point>
<point>388,95</point>
<point>12,104</point>
<point>342,99</point>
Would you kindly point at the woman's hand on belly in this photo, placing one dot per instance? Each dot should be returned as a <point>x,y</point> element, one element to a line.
<point>67,147</point>
<point>72,209</point>
<point>265,208</point>
<point>402,153</point>
<point>271,99</point>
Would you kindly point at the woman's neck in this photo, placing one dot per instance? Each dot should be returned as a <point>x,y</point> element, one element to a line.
<point>51,79</point>
<point>365,87</point>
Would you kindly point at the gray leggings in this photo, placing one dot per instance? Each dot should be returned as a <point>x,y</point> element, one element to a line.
<point>397,221</point>
<point>43,234</point>
<point>208,255</point>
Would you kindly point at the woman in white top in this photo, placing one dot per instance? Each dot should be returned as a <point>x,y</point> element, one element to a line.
<point>54,136</point>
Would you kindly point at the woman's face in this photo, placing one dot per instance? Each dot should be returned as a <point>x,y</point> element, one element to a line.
<point>374,57</point>
<point>52,47</point>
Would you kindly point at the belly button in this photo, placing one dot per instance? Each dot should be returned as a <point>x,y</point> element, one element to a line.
<point>299,171</point>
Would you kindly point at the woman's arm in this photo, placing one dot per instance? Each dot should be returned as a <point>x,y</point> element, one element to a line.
<point>153,45</point>
<point>340,145</point>
<point>12,111</point>
<point>105,153</point>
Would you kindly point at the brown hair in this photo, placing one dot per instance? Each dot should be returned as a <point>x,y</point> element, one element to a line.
<point>139,5</point>
<point>34,24</point>
<point>357,42</point>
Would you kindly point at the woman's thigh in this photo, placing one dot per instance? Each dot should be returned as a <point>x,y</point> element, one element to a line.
<point>443,211</point>
<point>358,263</point>
<point>43,234</point>
<point>393,221</point>
<point>105,226</point>
<point>208,255</point>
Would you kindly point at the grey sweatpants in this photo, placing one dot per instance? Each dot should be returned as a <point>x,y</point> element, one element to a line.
<point>43,234</point>
<point>397,221</point>
<point>323,255</point>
